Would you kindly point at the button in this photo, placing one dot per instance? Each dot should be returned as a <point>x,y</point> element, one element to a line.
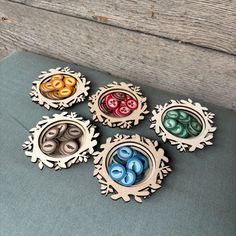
<point>70,147</point>
<point>105,108</point>
<point>144,161</point>
<point>107,97</point>
<point>194,128</point>
<point>43,88</point>
<point>69,81</point>
<point>116,113</point>
<point>112,103</point>
<point>116,159</point>
<point>52,133</point>
<point>119,96</point>
<point>49,86</point>
<point>170,123</point>
<point>62,128</point>
<point>121,111</point>
<point>132,104</point>
<point>129,179</point>
<point>177,129</point>
<point>74,132</point>
<point>57,84</point>
<point>52,95</point>
<point>173,114</point>
<point>54,77</point>
<point>117,171</point>
<point>49,146</point>
<point>124,111</point>
<point>139,178</point>
<point>142,158</point>
<point>135,164</point>
<point>65,92</point>
<point>184,117</point>
<point>125,153</point>
<point>183,134</point>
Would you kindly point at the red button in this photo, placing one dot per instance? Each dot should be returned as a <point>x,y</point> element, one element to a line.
<point>104,108</point>
<point>124,111</point>
<point>132,104</point>
<point>119,95</point>
<point>115,113</point>
<point>112,103</point>
<point>107,97</point>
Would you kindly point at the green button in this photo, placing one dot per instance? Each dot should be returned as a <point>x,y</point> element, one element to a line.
<point>184,134</point>
<point>177,129</point>
<point>169,123</point>
<point>184,117</point>
<point>196,125</point>
<point>194,128</point>
<point>173,114</point>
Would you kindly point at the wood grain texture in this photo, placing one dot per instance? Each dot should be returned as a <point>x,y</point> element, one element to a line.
<point>5,51</point>
<point>188,70</point>
<point>208,23</point>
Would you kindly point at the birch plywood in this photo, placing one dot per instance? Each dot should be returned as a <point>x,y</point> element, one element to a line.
<point>208,23</point>
<point>187,70</point>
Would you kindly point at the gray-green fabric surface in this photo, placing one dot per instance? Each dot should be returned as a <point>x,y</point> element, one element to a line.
<point>197,198</point>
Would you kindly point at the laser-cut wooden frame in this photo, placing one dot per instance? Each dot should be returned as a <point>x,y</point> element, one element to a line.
<point>122,122</point>
<point>79,95</point>
<point>152,181</point>
<point>32,146</point>
<point>197,110</point>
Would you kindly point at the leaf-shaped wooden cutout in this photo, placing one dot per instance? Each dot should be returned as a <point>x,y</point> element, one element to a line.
<point>138,199</point>
<point>40,164</point>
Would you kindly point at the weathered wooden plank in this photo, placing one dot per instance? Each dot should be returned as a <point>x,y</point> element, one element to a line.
<point>188,70</point>
<point>5,51</point>
<point>208,23</point>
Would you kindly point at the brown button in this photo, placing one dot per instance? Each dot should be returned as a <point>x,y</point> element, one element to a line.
<point>52,133</point>
<point>49,146</point>
<point>62,128</point>
<point>69,147</point>
<point>74,132</point>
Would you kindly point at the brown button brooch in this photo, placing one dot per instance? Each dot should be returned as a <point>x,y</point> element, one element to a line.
<point>61,141</point>
<point>130,166</point>
<point>118,105</point>
<point>184,123</point>
<point>59,88</point>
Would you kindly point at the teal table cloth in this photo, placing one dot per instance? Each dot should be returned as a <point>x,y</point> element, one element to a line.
<point>197,198</point>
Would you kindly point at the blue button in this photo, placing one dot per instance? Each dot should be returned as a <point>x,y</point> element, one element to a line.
<point>135,164</point>
<point>125,153</point>
<point>139,178</point>
<point>142,158</point>
<point>117,171</point>
<point>135,153</point>
<point>144,161</point>
<point>117,160</point>
<point>129,178</point>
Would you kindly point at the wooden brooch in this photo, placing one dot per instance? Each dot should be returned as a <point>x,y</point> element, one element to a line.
<point>148,177</point>
<point>59,88</point>
<point>183,123</point>
<point>118,105</point>
<point>61,141</point>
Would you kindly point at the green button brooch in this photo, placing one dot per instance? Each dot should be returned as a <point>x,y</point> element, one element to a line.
<point>183,123</point>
